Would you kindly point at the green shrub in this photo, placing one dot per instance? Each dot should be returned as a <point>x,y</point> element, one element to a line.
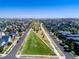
<point>9,43</point>
<point>1,49</point>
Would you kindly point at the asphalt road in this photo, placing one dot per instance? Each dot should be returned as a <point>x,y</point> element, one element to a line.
<point>13,52</point>
<point>67,54</point>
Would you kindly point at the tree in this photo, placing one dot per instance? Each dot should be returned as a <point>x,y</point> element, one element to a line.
<point>1,49</point>
<point>52,30</point>
<point>71,45</point>
<point>9,30</point>
<point>20,34</point>
<point>43,35</point>
<point>74,31</point>
<point>9,43</point>
<point>19,30</point>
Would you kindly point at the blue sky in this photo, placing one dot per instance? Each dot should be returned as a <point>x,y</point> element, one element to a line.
<point>39,8</point>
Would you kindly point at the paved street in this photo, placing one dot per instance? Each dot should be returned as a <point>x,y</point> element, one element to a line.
<point>12,54</point>
<point>67,54</point>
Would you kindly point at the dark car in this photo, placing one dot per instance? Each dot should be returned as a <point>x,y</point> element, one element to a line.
<point>17,41</point>
<point>20,38</point>
<point>61,44</point>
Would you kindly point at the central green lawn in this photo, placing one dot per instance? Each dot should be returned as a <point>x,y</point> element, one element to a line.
<point>35,46</point>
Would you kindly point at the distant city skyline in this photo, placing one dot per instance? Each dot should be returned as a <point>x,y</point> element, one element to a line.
<point>39,8</point>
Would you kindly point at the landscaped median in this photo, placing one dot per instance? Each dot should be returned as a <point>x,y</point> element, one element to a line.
<point>38,45</point>
<point>34,47</point>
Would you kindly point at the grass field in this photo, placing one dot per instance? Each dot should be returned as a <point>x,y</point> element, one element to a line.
<point>35,46</point>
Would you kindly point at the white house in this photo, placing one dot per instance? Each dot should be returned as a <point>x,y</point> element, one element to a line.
<point>2,34</point>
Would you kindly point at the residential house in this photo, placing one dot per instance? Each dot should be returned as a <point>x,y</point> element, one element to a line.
<point>72,38</point>
<point>64,33</point>
<point>5,40</point>
<point>2,34</point>
<point>13,34</point>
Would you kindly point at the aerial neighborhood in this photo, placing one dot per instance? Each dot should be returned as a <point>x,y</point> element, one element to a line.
<point>42,38</point>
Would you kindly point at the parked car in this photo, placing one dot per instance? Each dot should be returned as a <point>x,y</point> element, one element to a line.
<point>17,41</point>
<point>62,44</point>
<point>66,49</point>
